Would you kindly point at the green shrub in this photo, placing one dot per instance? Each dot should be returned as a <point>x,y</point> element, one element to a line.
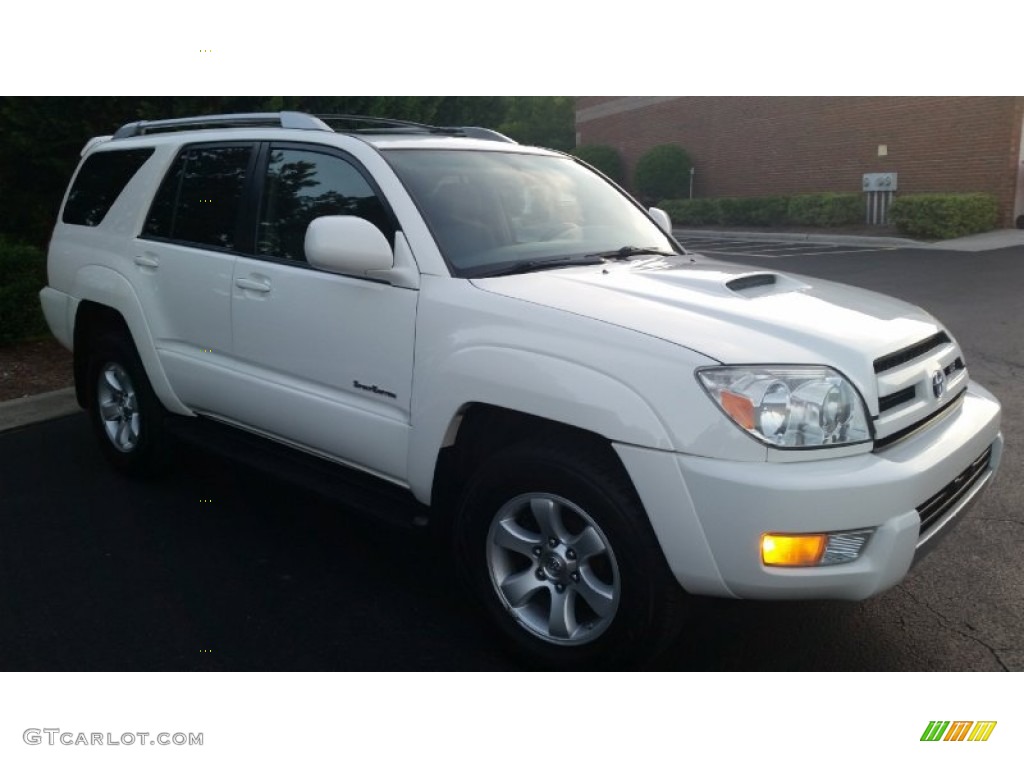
<point>698,212</point>
<point>22,276</point>
<point>662,172</point>
<point>944,216</point>
<point>606,159</point>
<point>753,211</point>
<point>826,210</point>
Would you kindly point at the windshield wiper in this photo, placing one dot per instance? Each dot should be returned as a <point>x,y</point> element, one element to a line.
<point>536,265</point>
<point>629,251</point>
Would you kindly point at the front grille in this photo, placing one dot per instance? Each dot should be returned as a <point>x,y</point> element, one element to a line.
<point>889,402</point>
<point>896,359</point>
<point>937,506</point>
<point>956,365</point>
<point>905,395</point>
<point>895,437</point>
<point>916,385</point>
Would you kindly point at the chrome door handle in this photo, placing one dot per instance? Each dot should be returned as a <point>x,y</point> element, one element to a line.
<point>248,284</point>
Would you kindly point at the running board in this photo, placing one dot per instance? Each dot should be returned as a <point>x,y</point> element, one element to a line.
<point>355,490</point>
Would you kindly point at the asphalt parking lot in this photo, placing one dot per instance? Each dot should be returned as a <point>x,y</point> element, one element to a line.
<point>770,249</point>
<point>220,567</point>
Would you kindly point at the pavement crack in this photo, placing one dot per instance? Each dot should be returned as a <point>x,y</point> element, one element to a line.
<point>951,624</point>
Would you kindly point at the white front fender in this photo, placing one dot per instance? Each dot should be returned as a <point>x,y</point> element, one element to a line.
<point>530,383</point>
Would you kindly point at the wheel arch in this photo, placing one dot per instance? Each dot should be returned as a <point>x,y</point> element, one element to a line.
<point>527,394</point>
<point>480,430</point>
<point>107,302</point>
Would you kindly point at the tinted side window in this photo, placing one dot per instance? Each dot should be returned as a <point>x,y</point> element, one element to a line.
<point>99,182</point>
<point>200,200</point>
<point>302,185</point>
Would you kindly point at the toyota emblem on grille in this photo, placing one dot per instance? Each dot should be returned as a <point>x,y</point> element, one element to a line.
<point>938,383</point>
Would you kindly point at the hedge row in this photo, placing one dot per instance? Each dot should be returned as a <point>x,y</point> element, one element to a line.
<point>928,217</point>
<point>22,276</point>
<point>944,216</point>
<point>823,210</point>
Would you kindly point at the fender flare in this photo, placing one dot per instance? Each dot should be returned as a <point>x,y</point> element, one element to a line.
<point>107,287</point>
<point>527,382</point>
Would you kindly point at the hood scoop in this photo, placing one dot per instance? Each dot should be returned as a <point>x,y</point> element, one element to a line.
<point>756,284</point>
<point>736,283</point>
<point>750,282</point>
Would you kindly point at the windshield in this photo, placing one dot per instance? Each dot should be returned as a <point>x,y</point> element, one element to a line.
<point>493,211</point>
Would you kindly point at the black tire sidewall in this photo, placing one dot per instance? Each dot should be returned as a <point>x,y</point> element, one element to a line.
<point>620,516</point>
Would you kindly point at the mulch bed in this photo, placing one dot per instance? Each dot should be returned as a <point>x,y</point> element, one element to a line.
<point>34,367</point>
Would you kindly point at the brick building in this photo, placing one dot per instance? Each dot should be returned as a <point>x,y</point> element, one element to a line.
<point>763,145</point>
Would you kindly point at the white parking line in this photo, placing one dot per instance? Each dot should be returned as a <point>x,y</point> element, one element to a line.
<point>790,254</point>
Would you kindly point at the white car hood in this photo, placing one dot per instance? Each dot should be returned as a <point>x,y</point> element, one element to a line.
<point>731,313</point>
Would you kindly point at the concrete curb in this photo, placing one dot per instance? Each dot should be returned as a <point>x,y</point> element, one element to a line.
<point>29,410</point>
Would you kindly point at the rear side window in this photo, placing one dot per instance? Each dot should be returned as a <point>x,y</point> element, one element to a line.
<point>100,180</point>
<point>200,200</point>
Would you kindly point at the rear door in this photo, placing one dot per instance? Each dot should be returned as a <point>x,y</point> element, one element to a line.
<point>184,260</point>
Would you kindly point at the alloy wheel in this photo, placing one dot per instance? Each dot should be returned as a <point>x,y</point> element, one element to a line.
<point>118,407</point>
<point>553,568</point>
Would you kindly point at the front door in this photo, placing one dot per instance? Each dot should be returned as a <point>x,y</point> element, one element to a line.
<point>324,361</point>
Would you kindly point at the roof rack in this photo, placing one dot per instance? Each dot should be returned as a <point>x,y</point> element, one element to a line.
<point>378,123</point>
<point>391,125</point>
<point>297,120</point>
<point>302,121</point>
<point>476,132</point>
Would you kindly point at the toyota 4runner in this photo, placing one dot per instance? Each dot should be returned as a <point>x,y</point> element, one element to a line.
<point>501,338</point>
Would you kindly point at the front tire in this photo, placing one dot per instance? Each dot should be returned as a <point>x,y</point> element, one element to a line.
<point>126,416</point>
<point>557,547</point>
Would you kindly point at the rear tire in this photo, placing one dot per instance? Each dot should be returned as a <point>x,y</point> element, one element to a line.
<point>126,416</point>
<point>556,546</point>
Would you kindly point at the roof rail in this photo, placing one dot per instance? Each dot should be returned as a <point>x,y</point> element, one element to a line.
<point>298,120</point>
<point>476,132</point>
<point>377,122</point>
<point>93,142</point>
<point>387,124</point>
<point>302,121</point>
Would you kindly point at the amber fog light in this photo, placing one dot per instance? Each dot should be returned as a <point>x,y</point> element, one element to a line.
<point>792,549</point>
<point>810,549</point>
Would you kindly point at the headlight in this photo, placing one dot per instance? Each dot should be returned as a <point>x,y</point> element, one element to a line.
<point>798,407</point>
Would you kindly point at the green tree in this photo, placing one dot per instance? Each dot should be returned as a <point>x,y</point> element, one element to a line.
<point>43,136</point>
<point>606,159</point>
<point>663,172</point>
<point>547,121</point>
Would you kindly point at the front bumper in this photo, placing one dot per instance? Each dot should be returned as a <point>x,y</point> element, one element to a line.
<point>709,514</point>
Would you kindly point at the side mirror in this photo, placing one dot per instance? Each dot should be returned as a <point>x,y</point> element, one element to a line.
<point>347,245</point>
<point>661,219</point>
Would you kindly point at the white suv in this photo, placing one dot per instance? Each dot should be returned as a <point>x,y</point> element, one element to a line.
<point>506,342</point>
